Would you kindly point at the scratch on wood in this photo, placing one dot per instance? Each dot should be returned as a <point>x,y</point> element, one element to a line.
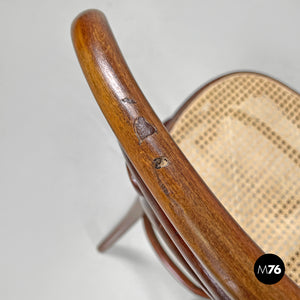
<point>128,100</point>
<point>173,204</point>
<point>176,207</point>
<point>165,190</point>
<point>143,129</point>
<point>163,187</point>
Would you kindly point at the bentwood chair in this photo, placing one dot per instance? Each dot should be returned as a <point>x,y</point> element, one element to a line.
<point>220,181</point>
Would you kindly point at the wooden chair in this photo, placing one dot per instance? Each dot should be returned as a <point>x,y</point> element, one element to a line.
<point>241,134</point>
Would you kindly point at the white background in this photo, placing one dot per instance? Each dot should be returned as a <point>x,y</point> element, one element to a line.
<point>62,178</point>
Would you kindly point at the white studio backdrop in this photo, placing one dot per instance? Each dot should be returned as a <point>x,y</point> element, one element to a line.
<point>63,183</point>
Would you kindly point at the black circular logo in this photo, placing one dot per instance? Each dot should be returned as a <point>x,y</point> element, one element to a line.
<point>269,268</point>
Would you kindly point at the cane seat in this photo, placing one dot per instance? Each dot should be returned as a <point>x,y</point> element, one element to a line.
<point>242,134</point>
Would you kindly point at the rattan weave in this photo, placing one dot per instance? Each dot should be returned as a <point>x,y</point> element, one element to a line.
<point>242,135</point>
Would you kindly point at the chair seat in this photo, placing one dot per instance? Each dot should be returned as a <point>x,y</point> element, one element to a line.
<point>242,135</point>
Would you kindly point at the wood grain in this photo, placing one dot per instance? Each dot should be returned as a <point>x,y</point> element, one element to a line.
<point>222,255</point>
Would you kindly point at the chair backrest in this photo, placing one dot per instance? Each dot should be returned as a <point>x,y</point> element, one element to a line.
<point>213,244</point>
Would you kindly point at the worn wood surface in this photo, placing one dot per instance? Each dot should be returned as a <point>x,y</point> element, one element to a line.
<point>222,255</point>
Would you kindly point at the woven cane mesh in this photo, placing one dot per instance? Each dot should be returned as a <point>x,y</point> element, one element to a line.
<point>242,135</point>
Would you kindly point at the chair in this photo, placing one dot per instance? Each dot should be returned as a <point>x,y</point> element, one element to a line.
<point>241,134</point>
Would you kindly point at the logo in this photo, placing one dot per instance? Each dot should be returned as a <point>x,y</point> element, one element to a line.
<point>269,268</point>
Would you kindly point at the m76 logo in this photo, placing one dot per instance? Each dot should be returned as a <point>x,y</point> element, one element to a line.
<point>269,269</point>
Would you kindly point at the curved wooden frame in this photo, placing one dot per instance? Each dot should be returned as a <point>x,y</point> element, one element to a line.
<point>168,262</point>
<point>220,253</point>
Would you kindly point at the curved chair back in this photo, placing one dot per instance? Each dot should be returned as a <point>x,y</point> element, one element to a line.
<point>213,244</point>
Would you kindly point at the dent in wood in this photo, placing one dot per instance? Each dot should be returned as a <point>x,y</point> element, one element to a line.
<point>143,129</point>
<point>160,162</point>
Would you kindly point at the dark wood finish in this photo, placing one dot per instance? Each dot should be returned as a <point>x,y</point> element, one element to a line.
<point>218,250</point>
<point>167,261</point>
<point>157,217</point>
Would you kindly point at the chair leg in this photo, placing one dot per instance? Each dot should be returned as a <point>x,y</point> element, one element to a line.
<point>135,212</point>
